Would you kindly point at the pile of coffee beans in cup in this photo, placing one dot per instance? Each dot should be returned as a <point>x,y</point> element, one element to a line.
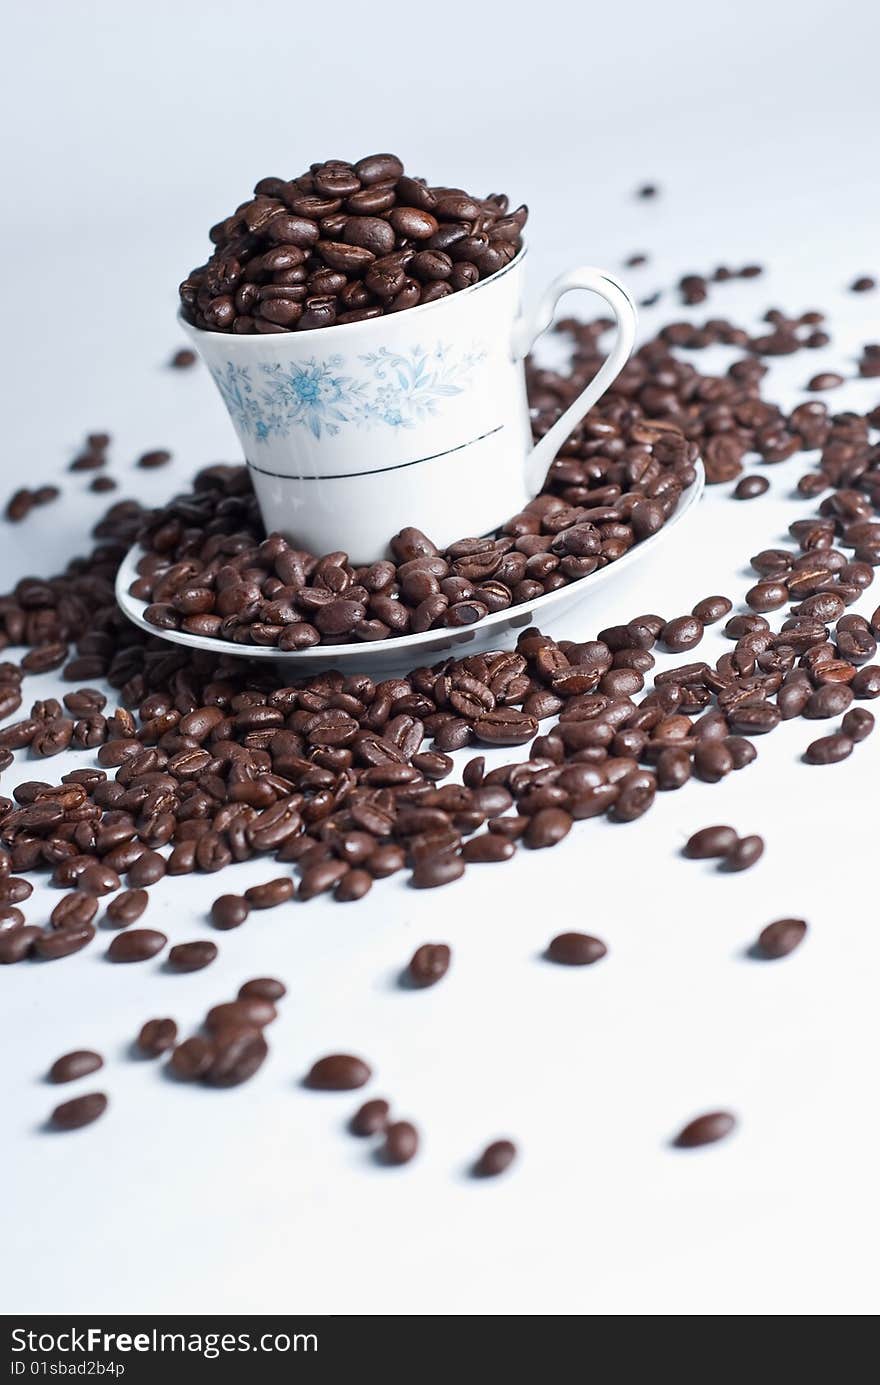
<point>346,242</point>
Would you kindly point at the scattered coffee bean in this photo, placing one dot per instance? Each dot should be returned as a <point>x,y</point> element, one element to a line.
<point>863,284</point>
<point>744,853</point>
<point>828,380</point>
<point>496,1158</point>
<point>401,1143</point>
<point>192,1059</point>
<point>781,937</point>
<point>750,487</point>
<point>339,1072</point>
<point>157,1037</point>
<point>192,956</point>
<point>80,1111</point>
<point>828,750</point>
<point>710,842</point>
<point>71,1066</point>
<point>857,724</point>
<point>371,1118</point>
<point>712,609</point>
<point>262,988</point>
<point>429,964</point>
<point>576,949</point>
<point>183,358</point>
<point>273,893</point>
<point>229,911</point>
<point>126,907</point>
<point>706,1130</point>
<point>136,945</point>
<point>437,870</point>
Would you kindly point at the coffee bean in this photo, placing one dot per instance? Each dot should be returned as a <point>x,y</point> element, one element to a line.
<point>146,870</point>
<point>273,893</point>
<point>237,1055</point>
<point>828,750</point>
<point>547,827</point>
<point>685,632</point>
<point>126,907</point>
<point>710,842</point>
<point>705,1130</point>
<point>192,956</point>
<point>157,1037</point>
<point>744,854</point>
<point>63,942</point>
<point>495,1159</point>
<point>432,871</point>
<point>750,487</point>
<point>857,724</point>
<point>782,937</point>
<point>262,988</point>
<point>488,847</point>
<point>73,910</point>
<point>136,945</point>
<point>229,911</point>
<point>826,381</point>
<point>401,1143</point>
<point>98,880</point>
<point>18,944</point>
<point>183,359</point>
<point>576,949</point>
<point>192,1059</point>
<point>82,1110</point>
<point>371,1118</point>
<point>338,1072</point>
<point>831,700</point>
<point>428,964</point>
<point>863,284</point>
<point>71,1066</point>
<point>712,609</point>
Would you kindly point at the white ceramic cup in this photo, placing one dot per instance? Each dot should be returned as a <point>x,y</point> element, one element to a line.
<point>416,418</point>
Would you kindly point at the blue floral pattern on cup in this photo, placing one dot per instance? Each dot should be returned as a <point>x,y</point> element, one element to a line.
<point>395,389</point>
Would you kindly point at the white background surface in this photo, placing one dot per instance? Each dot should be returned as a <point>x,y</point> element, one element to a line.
<point>127,130</point>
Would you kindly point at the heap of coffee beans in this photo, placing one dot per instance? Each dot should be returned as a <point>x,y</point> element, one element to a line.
<point>214,761</point>
<point>344,243</point>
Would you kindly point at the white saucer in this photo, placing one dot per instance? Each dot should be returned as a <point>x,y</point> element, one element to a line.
<point>409,651</point>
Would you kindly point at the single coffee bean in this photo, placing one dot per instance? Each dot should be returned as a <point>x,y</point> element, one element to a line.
<point>857,724</point>
<point>488,847</point>
<point>495,1159</point>
<point>705,1130</point>
<point>192,956</point>
<point>157,1037</point>
<point>710,842</point>
<point>18,943</point>
<point>576,949</point>
<point>192,1059</point>
<point>146,870</point>
<point>98,879</point>
<point>63,942</point>
<point>229,911</point>
<point>262,988</point>
<point>271,894</point>
<point>828,750</point>
<point>371,1118</point>
<point>428,964</point>
<point>712,609</point>
<point>126,907</point>
<point>73,910</point>
<point>251,1012</point>
<point>82,1110</point>
<point>547,827</point>
<point>237,1055</point>
<point>685,632</point>
<point>136,945</point>
<point>338,1072</point>
<point>750,487</point>
<point>71,1066</point>
<point>436,870</point>
<point>401,1143</point>
<point>780,938</point>
<point>744,853</point>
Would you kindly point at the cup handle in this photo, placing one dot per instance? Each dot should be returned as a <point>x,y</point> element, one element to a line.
<point>526,333</point>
